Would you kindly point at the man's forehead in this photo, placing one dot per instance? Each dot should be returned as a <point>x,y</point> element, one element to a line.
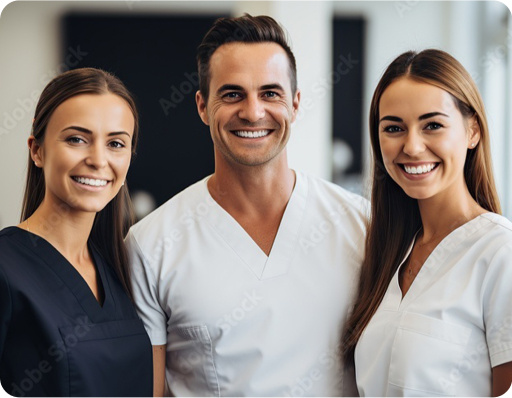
<point>237,61</point>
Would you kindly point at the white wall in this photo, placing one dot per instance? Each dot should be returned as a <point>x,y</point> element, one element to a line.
<point>29,57</point>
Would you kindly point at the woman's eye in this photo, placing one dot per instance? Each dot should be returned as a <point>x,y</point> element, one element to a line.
<point>117,144</point>
<point>392,129</point>
<point>75,140</point>
<point>433,126</point>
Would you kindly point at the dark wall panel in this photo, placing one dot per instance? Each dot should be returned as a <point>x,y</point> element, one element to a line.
<point>347,76</point>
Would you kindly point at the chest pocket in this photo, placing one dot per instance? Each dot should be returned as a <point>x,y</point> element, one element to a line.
<point>191,361</point>
<point>424,353</point>
<point>108,359</point>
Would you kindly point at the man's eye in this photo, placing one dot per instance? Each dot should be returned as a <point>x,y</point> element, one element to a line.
<point>232,95</point>
<point>271,94</point>
<point>392,129</point>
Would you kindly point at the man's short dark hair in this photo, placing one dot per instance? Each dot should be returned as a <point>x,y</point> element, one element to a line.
<point>244,29</point>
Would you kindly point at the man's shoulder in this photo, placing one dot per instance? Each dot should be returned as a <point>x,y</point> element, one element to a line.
<point>331,192</point>
<point>169,213</point>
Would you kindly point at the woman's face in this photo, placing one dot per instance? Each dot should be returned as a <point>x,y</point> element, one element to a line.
<point>424,139</point>
<point>86,151</point>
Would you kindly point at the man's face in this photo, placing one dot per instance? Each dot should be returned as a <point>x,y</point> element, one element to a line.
<point>250,106</point>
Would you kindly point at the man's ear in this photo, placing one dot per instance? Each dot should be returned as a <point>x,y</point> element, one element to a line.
<point>201,107</point>
<point>295,105</point>
<point>36,151</point>
<point>473,132</point>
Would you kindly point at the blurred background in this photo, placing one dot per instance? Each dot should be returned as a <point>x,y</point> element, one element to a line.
<point>341,47</point>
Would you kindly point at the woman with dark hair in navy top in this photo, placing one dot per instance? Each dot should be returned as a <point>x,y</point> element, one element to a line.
<point>67,323</point>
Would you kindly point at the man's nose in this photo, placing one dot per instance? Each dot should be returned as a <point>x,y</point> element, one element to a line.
<point>252,109</point>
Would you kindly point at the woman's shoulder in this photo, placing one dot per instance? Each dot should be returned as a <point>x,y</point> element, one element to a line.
<point>499,224</point>
<point>8,236</point>
<point>9,231</point>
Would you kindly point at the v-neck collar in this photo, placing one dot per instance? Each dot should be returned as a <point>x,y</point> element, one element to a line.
<point>285,242</point>
<point>77,285</point>
<point>432,264</point>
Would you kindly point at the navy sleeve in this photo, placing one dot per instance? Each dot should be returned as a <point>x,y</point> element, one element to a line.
<point>5,309</point>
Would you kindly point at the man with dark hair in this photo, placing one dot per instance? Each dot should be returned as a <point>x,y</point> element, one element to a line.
<point>244,279</point>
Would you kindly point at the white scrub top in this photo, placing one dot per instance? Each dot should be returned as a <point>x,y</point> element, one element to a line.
<point>235,321</point>
<point>453,325</point>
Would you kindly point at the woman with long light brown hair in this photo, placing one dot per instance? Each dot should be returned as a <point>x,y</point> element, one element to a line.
<point>433,313</point>
<point>67,324</point>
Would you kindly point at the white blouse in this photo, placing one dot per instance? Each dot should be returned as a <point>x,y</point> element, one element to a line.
<point>453,325</point>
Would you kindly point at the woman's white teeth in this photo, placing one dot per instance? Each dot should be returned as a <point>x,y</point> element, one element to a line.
<point>252,134</point>
<point>419,169</point>
<point>91,181</point>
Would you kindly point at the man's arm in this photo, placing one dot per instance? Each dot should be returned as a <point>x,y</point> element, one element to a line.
<point>159,370</point>
<point>501,379</point>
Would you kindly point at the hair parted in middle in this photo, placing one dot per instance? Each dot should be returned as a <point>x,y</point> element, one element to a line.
<point>395,217</point>
<point>244,29</point>
<point>112,223</point>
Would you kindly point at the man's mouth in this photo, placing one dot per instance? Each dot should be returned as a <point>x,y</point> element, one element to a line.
<point>251,134</point>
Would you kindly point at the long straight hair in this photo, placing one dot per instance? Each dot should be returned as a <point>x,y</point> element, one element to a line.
<point>111,224</point>
<point>395,217</point>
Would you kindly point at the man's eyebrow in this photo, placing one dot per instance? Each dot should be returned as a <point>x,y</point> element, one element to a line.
<point>431,114</point>
<point>229,87</point>
<point>273,86</point>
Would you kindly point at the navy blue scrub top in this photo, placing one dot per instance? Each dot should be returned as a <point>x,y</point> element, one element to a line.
<point>56,339</point>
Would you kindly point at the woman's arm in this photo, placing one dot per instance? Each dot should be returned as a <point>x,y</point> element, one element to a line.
<point>159,370</point>
<point>501,379</point>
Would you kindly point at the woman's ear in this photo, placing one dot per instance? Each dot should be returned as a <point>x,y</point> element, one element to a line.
<point>473,132</point>
<point>36,151</point>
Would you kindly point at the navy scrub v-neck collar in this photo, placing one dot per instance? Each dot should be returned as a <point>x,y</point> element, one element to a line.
<point>68,274</point>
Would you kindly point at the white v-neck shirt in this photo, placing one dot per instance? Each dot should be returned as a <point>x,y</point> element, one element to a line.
<point>235,321</point>
<point>453,325</point>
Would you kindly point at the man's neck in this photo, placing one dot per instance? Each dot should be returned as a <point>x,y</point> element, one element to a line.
<point>256,197</point>
<point>260,190</point>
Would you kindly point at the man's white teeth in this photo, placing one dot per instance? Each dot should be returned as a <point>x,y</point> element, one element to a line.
<point>252,134</point>
<point>90,181</point>
<point>420,169</point>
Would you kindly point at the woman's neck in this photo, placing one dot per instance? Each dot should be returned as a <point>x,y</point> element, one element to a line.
<point>442,214</point>
<point>66,229</point>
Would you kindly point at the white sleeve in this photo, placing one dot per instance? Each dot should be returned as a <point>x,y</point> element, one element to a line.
<point>497,306</point>
<point>145,293</point>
